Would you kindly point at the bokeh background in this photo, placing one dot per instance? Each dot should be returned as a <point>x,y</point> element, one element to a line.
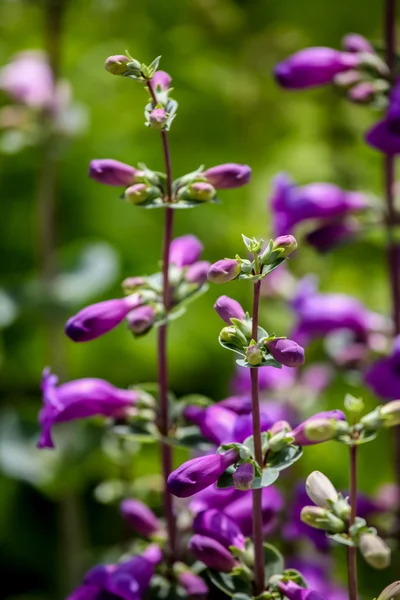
<point>220,54</point>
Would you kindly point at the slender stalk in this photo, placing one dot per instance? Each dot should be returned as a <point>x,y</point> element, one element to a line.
<point>352,552</point>
<point>393,251</point>
<point>257,494</point>
<point>163,424</point>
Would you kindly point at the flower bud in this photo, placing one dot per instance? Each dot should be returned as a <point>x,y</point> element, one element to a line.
<point>217,525</point>
<point>362,93</point>
<point>112,172</point>
<point>158,118</point>
<point>224,270</point>
<point>213,554</point>
<point>243,477</point>
<point>375,551</point>
<point>185,250</point>
<point>391,592</point>
<point>228,309</point>
<point>390,413</point>
<point>287,352</point>
<point>319,428</point>
<point>161,80</point>
<point>131,284</point>
<point>193,584</point>
<point>287,242</point>
<point>320,518</point>
<point>201,191</point>
<point>141,319</point>
<point>293,591</point>
<point>280,426</point>
<point>346,79</point>
<point>354,42</point>
<point>139,517</point>
<point>254,355</point>
<point>321,490</point>
<point>117,64</point>
<point>197,273</point>
<point>139,193</point>
<point>230,335</point>
<point>229,175</point>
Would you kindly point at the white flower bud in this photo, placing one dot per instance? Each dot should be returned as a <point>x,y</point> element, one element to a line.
<point>375,551</point>
<point>320,489</point>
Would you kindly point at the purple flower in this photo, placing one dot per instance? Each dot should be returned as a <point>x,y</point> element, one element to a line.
<point>193,584</point>
<point>385,135</point>
<point>312,67</point>
<point>229,175</point>
<point>317,573</point>
<point>240,509</point>
<point>292,204</point>
<point>320,314</point>
<point>198,473</point>
<point>325,428</point>
<point>97,319</point>
<point>79,399</point>
<point>224,270</point>
<point>287,352</point>
<point>197,273</point>
<point>141,319</point>
<point>215,524</point>
<point>362,93</point>
<point>139,517</point>
<point>185,250</point>
<point>383,377</point>
<point>330,235</point>
<point>354,42</point>
<point>28,79</point>
<point>161,80</point>
<point>269,380</point>
<point>243,426</point>
<point>228,309</point>
<point>243,477</point>
<point>292,591</point>
<point>295,529</point>
<point>212,497</point>
<point>216,423</point>
<point>112,172</point>
<point>213,554</point>
<point>128,580</point>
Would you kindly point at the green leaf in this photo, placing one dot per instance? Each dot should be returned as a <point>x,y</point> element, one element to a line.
<point>273,560</point>
<point>295,576</point>
<point>268,361</point>
<point>284,458</point>
<point>342,538</point>
<point>230,584</point>
<point>268,477</point>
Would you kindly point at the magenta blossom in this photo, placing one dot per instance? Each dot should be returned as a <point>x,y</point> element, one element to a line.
<point>28,79</point>
<point>383,377</point>
<point>197,272</point>
<point>161,80</point>
<point>139,517</point>
<point>385,135</point>
<point>97,319</point>
<point>287,352</point>
<point>112,172</point>
<point>229,175</point>
<point>77,400</point>
<point>198,473</point>
<point>217,525</point>
<point>141,319</point>
<point>228,309</point>
<point>313,67</point>
<point>193,584</point>
<point>354,42</point>
<point>213,554</point>
<point>185,250</point>
<point>292,591</point>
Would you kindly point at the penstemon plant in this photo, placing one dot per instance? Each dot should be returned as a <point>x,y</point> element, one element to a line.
<point>229,501</point>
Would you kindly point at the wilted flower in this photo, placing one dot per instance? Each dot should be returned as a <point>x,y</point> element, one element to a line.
<point>312,67</point>
<point>213,554</point>
<point>229,175</point>
<point>112,172</point>
<point>224,270</point>
<point>217,525</point>
<point>198,473</point>
<point>79,399</point>
<point>97,319</point>
<point>287,352</point>
<point>185,250</point>
<point>228,308</point>
<point>139,517</point>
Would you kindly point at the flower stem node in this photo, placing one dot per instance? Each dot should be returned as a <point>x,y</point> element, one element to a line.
<point>321,518</point>
<point>374,550</point>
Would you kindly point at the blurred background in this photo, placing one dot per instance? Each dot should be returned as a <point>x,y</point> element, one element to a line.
<point>220,54</point>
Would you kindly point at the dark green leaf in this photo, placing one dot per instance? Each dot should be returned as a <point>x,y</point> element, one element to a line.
<point>284,458</point>
<point>274,563</point>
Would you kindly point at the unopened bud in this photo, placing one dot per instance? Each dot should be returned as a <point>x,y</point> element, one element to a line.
<point>224,270</point>
<point>287,352</point>
<point>321,490</point>
<point>141,319</point>
<point>375,551</point>
<point>320,430</point>
<point>390,413</point>
<point>391,592</point>
<point>280,426</point>
<point>131,284</point>
<point>158,118</point>
<point>139,193</point>
<point>362,93</point>
<point>254,355</point>
<point>320,518</point>
<point>117,64</point>
<point>201,191</point>
<point>230,335</point>
<point>243,476</point>
<point>287,243</point>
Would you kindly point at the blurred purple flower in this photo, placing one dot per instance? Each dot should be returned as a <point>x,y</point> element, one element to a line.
<point>139,517</point>
<point>240,509</point>
<point>185,250</point>
<point>292,591</point>
<point>112,172</point>
<point>228,308</point>
<point>269,379</point>
<point>317,574</point>
<point>328,236</point>
<point>141,319</point>
<point>294,529</point>
<point>213,554</point>
<point>193,584</point>
<point>215,422</point>
<point>217,525</point>
<point>212,497</point>
<point>197,272</point>
<point>28,79</point>
<point>292,204</point>
<point>312,67</point>
<point>385,135</point>
<point>229,175</point>
<point>354,42</point>
<point>198,473</point>
<point>79,399</point>
<point>383,377</point>
<point>97,319</point>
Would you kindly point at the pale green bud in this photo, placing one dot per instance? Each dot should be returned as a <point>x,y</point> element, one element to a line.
<point>390,413</point>
<point>375,551</point>
<point>320,518</point>
<point>320,430</point>
<point>321,490</point>
<point>254,355</point>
